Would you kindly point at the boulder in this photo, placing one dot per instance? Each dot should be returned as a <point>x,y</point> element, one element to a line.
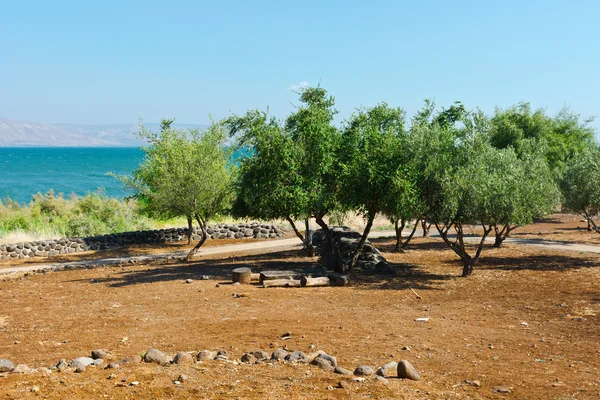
<point>279,355</point>
<point>157,357</point>
<point>81,362</point>
<point>22,369</point>
<point>322,363</point>
<point>297,356</point>
<point>100,354</point>
<point>342,371</point>
<point>260,355</point>
<point>332,360</point>
<point>248,358</point>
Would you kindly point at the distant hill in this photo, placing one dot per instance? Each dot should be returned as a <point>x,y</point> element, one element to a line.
<point>25,134</point>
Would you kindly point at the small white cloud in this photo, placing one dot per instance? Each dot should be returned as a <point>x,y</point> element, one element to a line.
<point>300,86</point>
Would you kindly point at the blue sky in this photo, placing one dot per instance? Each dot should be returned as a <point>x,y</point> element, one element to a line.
<point>115,61</point>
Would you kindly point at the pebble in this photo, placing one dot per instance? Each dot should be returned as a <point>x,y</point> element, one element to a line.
<point>205,355</point>
<point>204,277</point>
<point>475,383</point>
<point>322,363</point>
<point>189,281</point>
<point>156,356</point>
<point>183,378</point>
<point>248,358</point>
<point>342,384</point>
<point>6,365</point>
<point>81,362</point>
<point>62,365</point>
<point>407,371</point>
<point>183,358</point>
<point>222,355</point>
<point>111,376</point>
<point>260,355</point>
<point>342,371</point>
<point>381,379</point>
<point>358,380</point>
<point>386,370</point>
<point>296,356</point>
<point>34,389</point>
<point>501,389</point>
<point>364,370</point>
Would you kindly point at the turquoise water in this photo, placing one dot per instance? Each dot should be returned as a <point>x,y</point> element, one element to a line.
<point>26,171</point>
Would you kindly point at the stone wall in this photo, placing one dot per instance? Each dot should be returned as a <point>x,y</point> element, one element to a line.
<point>49,248</point>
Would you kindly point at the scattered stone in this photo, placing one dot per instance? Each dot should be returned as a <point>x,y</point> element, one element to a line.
<point>332,360</point>
<point>407,371</point>
<point>204,277</point>
<point>22,369</point>
<point>134,383</point>
<point>298,356</point>
<point>279,355</point>
<point>406,348</point>
<point>111,377</point>
<point>205,355</point>
<point>34,389</point>
<point>62,365</point>
<point>342,371</point>
<point>387,369</point>
<point>381,379</point>
<point>126,361</point>
<point>98,362</point>
<point>286,336</point>
<point>81,362</point>
<point>329,388</point>
<point>188,281</point>
<point>43,370</point>
<point>6,365</point>
<point>183,378</point>
<point>475,383</point>
<point>156,356</point>
<point>360,380</point>
<point>364,370</point>
<point>342,384</point>
<point>248,358</point>
<point>322,363</point>
<point>80,369</point>
<point>260,355</point>
<point>100,354</point>
<point>501,389</point>
<point>177,383</point>
<point>183,358</point>
<point>222,355</point>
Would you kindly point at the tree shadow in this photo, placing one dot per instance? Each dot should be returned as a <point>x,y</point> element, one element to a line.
<point>406,276</point>
<point>537,263</point>
<point>388,246</point>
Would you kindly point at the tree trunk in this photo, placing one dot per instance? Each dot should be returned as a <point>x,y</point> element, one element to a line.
<point>241,275</point>
<point>426,225</point>
<point>337,258</point>
<point>467,267</point>
<point>399,228</point>
<point>310,282</point>
<point>310,250</point>
<point>362,241</point>
<point>282,283</point>
<point>190,229</point>
<point>336,279</point>
<point>202,224</point>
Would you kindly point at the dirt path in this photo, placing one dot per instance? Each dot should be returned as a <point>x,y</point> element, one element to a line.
<point>272,244</point>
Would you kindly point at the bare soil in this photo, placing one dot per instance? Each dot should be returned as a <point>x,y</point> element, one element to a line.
<point>526,321</point>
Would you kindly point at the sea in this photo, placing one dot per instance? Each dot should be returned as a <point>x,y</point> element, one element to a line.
<point>25,171</point>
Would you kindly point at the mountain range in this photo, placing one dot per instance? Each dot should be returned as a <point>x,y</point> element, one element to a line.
<point>15,133</point>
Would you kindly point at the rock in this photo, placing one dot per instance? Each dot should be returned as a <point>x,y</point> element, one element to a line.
<point>183,378</point>
<point>156,356</point>
<point>183,358</point>
<point>342,384</point>
<point>279,355</point>
<point>296,356</point>
<point>260,355</point>
<point>501,389</point>
<point>6,365</point>
<point>322,363</point>
<point>80,369</point>
<point>126,361</point>
<point>81,362</point>
<point>359,380</point>
<point>364,370</point>
<point>22,369</point>
<point>222,355</point>
<point>100,354</point>
<point>248,358</point>
<point>205,355</point>
<point>407,371</point>
<point>475,383</point>
<point>43,370</point>
<point>98,362</point>
<point>332,360</point>
<point>388,369</point>
<point>62,365</point>
<point>189,281</point>
<point>34,389</point>
<point>342,371</point>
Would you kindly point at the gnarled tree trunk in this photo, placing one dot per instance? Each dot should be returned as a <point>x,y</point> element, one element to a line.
<point>306,239</point>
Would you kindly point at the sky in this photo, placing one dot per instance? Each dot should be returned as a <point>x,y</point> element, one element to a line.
<point>116,61</point>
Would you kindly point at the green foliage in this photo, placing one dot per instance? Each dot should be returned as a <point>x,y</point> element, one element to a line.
<point>580,185</point>
<point>52,215</point>
<point>563,136</point>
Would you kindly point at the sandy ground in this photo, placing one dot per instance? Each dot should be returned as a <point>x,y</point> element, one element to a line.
<point>527,321</point>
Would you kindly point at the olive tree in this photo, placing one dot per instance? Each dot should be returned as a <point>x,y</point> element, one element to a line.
<point>185,173</point>
<point>580,185</point>
<point>269,184</point>
<point>372,161</point>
